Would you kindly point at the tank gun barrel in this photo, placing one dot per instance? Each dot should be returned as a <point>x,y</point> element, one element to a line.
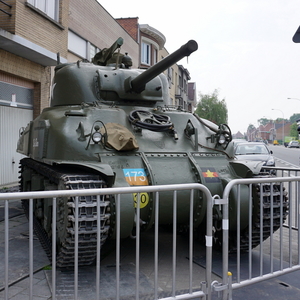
<point>138,84</point>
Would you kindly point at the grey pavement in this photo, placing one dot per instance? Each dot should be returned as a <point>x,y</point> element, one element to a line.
<point>283,287</point>
<point>20,290</point>
<point>18,267</point>
<point>18,262</point>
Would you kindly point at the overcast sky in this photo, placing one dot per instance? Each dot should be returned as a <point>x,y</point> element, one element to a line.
<point>245,50</point>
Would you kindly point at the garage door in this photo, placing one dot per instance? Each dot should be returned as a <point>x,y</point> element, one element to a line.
<point>16,111</point>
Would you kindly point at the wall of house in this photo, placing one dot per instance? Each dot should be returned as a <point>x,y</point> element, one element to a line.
<point>92,22</point>
<point>192,96</point>
<point>14,118</point>
<point>131,26</point>
<point>88,19</point>
<point>154,49</point>
<point>14,68</point>
<point>22,83</point>
<point>45,36</point>
<point>172,75</point>
<point>36,27</point>
<point>7,22</point>
<point>182,90</point>
<point>271,131</point>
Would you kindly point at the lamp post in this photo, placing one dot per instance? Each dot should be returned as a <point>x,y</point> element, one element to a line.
<point>294,99</point>
<point>282,123</point>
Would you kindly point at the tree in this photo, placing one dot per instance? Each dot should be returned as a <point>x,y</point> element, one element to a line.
<point>293,131</point>
<point>263,121</point>
<point>294,117</point>
<point>250,127</point>
<point>212,109</point>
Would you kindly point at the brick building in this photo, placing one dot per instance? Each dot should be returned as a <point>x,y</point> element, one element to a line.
<point>270,132</point>
<point>192,96</point>
<point>35,36</point>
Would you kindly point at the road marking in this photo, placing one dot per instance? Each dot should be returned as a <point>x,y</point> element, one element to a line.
<point>286,163</point>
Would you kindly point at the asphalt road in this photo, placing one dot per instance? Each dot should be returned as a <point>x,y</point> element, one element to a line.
<point>288,157</point>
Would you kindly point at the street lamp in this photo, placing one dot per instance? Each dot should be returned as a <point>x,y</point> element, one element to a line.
<point>293,99</point>
<point>282,123</point>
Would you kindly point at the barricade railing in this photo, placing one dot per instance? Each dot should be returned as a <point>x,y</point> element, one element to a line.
<point>285,172</point>
<point>292,188</point>
<point>272,232</point>
<point>204,289</point>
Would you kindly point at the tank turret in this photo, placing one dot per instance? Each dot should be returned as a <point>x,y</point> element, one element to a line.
<point>111,79</point>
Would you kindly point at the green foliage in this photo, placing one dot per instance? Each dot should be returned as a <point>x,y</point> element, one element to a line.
<point>280,120</point>
<point>293,131</point>
<point>263,121</point>
<point>212,109</point>
<point>294,117</point>
<point>250,127</point>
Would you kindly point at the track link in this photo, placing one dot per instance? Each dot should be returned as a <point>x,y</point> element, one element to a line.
<point>271,215</point>
<point>87,215</point>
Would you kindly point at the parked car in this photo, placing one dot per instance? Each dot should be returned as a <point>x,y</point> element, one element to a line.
<point>293,144</point>
<point>237,141</point>
<point>255,151</point>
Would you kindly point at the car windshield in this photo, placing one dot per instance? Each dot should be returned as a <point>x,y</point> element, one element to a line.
<point>251,149</point>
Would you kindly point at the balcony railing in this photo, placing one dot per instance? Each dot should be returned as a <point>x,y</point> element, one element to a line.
<point>4,11</point>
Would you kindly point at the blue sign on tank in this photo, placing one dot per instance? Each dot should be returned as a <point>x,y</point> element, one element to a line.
<point>135,176</point>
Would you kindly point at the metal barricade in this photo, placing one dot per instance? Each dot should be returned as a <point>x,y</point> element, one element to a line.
<point>292,188</point>
<point>285,172</point>
<point>204,288</point>
<point>277,254</point>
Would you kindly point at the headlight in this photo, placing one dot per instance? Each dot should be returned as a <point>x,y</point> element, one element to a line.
<point>97,137</point>
<point>270,162</point>
<point>222,139</point>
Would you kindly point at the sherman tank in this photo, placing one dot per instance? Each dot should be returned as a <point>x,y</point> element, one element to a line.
<point>109,125</point>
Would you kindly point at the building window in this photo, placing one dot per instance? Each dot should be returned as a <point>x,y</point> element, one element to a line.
<point>155,56</point>
<point>146,53</point>
<point>170,74</point>
<point>77,45</point>
<point>93,51</point>
<point>16,96</point>
<point>179,85</point>
<point>49,7</point>
<point>81,47</point>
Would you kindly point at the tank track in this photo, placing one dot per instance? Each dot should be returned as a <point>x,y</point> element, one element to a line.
<point>266,207</point>
<point>87,216</point>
